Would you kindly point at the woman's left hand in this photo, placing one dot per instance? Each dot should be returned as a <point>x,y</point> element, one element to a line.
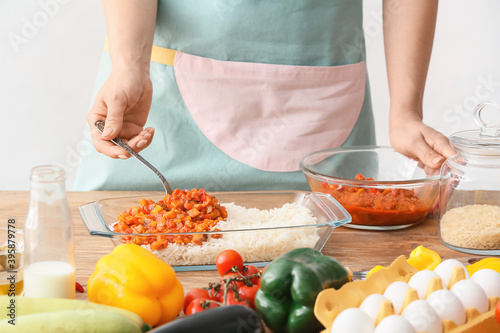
<point>412,138</point>
<point>408,38</point>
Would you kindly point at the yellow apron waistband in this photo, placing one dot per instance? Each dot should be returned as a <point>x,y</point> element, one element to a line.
<point>161,55</point>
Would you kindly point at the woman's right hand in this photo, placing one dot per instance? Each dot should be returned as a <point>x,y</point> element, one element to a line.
<point>123,102</point>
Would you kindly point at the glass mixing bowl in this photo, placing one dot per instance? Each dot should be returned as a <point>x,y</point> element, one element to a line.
<point>400,195</point>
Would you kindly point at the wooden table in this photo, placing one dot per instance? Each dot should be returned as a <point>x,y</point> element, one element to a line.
<point>357,249</point>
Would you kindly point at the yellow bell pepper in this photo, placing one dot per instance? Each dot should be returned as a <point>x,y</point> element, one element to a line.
<point>491,263</point>
<point>374,269</point>
<point>134,279</point>
<point>423,258</point>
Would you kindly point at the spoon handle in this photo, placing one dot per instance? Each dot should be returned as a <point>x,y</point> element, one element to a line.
<point>99,124</point>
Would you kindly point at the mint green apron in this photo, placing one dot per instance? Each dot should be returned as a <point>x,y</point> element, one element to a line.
<point>239,61</point>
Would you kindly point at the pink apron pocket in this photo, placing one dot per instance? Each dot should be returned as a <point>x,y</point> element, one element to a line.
<point>270,116</point>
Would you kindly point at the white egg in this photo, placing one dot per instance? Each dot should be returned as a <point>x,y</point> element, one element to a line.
<point>353,320</point>
<point>371,305</point>
<point>471,295</point>
<point>420,281</point>
<point>447,305</point>
<point>395,292</point>
<point>445,268</point>
<point>394,324</point>
<point>423,317</point>
<point>489,280</point>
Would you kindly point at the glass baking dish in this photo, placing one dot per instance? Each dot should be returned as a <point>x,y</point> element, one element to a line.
<point>258,246</point>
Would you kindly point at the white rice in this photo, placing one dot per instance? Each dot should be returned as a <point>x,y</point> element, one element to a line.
<point>254,246</point>
<point>472,227</point>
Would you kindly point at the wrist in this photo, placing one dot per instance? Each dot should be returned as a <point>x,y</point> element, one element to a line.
<point>136,68</point>
<point>129,55</point>
<point>131,63</point>
<point>399,113</point>
<point>407,95</point>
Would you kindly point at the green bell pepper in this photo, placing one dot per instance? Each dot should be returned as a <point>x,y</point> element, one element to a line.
<point>289,286</point>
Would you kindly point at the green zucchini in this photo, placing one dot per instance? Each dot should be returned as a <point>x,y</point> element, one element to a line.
<point>74,321</point>
<point>31,305</point>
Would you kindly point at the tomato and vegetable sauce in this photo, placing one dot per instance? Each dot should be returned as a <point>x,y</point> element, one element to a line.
<point>181,211</point>
<point>370,206</point>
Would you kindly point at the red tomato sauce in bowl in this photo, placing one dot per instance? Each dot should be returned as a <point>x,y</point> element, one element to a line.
<point>375,206</point>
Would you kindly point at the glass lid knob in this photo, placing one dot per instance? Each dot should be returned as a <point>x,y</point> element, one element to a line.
<point>486,129</point>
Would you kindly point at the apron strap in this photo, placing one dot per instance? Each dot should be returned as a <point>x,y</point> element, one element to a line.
<point>159,54</point>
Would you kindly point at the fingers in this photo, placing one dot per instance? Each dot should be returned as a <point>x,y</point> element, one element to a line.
<point>138,143</point>
<point>142,140</point>
<point>98,112</point>
<point>431,171</point>
<point>433,149</point>
<point>442,146</point>
<point>107,147</point>
<point>427,155</point>
<point>418,141</point>
<point>114,118</point>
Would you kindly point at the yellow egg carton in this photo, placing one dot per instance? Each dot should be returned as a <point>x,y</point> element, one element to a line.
<point>330,302</point>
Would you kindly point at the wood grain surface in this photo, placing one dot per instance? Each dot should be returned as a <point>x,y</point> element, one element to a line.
<point>357,249</point>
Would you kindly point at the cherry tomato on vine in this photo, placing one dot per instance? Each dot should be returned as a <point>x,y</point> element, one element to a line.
<point>196,305</point>
<point>217,295</point>
<point>231,299</point>
<point>248,293</point>
<point>194,294</point>
<point>226,260</point>
<point>234,283</point>
<point>251,270</point>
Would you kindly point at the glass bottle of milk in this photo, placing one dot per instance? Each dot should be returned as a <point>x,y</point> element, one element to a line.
<point>48,241</point>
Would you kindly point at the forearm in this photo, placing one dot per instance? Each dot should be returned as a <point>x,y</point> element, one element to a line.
<point>408,35</point>
<point>130,25</point>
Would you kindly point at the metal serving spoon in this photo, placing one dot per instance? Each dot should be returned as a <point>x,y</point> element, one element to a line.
<point>99,124</point>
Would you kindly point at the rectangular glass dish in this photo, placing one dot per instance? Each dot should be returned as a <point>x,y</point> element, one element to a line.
<point>258,246</point>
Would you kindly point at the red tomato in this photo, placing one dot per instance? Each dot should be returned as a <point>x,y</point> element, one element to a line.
<point>196,306</point>
<point>237,283</point>
<point>226,260</point>
<point>251,270</point>
<point>248,293</point>
<point>497,312</point>
<point>194,294</point>
<point>217,295</point>
<point>231,299</point>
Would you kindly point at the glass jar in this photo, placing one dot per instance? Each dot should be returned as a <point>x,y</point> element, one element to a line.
<point>470,189</point>
<point>48,237</point>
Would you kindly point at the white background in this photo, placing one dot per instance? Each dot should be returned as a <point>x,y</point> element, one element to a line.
<point>47,76</point>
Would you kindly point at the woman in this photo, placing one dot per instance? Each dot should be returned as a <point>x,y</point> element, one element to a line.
<point>244,89</point>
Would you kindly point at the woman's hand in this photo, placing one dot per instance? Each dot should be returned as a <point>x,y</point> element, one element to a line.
<point>408,37</point>
<point>123,103</point>
<point>125,98</point>
<point>412,138</point>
